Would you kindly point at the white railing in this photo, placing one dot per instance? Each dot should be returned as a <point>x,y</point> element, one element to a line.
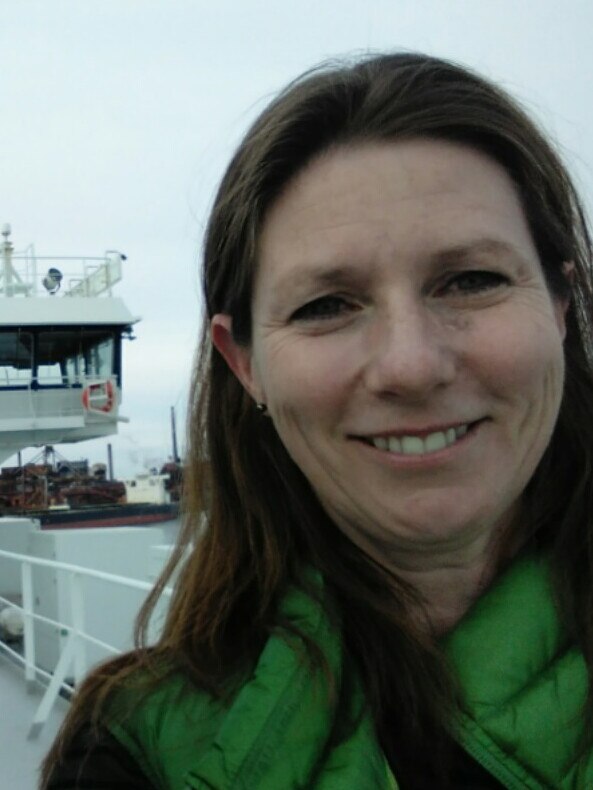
<point>73,654</point>
<point>30,275</point>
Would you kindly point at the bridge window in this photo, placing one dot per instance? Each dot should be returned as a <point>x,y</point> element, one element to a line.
<point>61,357</point>
<point>71,358</point>
<point>16,358</point>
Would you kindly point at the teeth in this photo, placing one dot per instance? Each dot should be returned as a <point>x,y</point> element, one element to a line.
<point>414,445</point>
<point>435,441</point>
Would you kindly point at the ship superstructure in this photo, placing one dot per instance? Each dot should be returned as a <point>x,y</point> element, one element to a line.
<point>61,331</point>
<point>68,596</point>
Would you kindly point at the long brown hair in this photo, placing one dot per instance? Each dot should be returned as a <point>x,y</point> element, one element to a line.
<point>263,522</point>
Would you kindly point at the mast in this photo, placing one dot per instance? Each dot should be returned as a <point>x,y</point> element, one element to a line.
<point>174,436</point>
<point>110,461</point>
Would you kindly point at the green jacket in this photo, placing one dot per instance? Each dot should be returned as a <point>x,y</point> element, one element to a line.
<point>524,687</point>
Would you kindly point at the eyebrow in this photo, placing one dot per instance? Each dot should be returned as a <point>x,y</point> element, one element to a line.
<point>345,274</point>
<point>316,275</point>
<point>480,247</point>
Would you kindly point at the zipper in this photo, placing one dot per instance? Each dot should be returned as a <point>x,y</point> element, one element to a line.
<point>495,767</point>
<point>391,781</point>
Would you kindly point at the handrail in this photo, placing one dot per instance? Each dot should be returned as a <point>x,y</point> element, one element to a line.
<point>60,257</point>
<point>73,651</point>
<point>137,584</point>
<point>85,275</point>
<point>37,383</point>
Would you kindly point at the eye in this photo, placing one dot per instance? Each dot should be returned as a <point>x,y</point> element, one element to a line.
<point>474,281</point>
<point>323,308</point>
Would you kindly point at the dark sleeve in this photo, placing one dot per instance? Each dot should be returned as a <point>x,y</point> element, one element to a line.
<point>97,762</point>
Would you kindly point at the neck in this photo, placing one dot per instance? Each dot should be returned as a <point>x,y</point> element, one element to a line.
<point>447,575</point>
<point>449,581</point>
<point>449,587</point>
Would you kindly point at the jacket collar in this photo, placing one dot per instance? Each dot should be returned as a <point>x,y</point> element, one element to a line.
<point>522,682</point>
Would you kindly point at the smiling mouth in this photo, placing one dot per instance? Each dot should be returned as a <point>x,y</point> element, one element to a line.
<point>421,445</point>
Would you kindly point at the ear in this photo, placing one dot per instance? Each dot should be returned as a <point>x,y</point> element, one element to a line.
<point>561,305</point>
<point>238,357</point>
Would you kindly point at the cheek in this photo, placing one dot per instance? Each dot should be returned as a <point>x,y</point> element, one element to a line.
<point>524,361</point>
<point>305,377</point>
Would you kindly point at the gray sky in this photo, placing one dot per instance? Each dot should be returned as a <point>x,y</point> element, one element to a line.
<point>119,116</point>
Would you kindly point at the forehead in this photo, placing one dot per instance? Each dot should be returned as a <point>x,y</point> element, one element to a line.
<point>396,200</point>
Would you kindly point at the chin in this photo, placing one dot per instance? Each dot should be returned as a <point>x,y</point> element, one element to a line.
<point>444,521</point>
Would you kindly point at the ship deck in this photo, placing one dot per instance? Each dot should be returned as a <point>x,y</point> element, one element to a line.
<point>19,757</point>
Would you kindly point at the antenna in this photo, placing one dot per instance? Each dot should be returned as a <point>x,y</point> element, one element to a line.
<point>7,259</point>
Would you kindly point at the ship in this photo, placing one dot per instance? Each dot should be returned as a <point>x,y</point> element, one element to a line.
<point>64,494</point>
<point>70,588</point>
<point>61,336</point>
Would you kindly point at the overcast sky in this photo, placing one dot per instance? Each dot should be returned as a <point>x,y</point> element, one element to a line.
<point>118,116</point>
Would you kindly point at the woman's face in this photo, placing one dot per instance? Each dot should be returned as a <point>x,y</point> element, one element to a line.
<point>405,342</point>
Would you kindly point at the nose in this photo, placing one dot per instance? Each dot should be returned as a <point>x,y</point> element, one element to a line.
<point>411,353</point>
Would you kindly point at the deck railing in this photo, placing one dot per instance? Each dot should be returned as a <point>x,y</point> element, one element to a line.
<point>25,275</point>
<point>72,658</point>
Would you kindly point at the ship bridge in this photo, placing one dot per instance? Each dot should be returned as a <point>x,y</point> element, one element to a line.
<point>61,332</point>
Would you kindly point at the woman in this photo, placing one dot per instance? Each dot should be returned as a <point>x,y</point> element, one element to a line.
<point>394,392</point>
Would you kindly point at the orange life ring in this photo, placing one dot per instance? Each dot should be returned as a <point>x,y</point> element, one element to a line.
<point>99,397</point>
